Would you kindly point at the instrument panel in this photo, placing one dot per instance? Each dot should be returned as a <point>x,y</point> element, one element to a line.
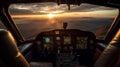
<point>66,40</point>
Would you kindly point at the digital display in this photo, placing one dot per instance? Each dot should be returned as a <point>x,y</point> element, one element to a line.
<point>48,43</point>
<point>47,39</point>
<point>82,42</point>
<point>67,40</point>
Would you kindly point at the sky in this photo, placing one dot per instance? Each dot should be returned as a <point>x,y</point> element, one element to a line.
<point>44,9</point>
<point>85,17</point>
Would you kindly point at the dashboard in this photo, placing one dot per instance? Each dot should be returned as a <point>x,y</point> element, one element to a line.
<point>66,47</point>
<point>65,40</point>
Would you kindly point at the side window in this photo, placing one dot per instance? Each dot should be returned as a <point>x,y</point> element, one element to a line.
<point>2,26</point>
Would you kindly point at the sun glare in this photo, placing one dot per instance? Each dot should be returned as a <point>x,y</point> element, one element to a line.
<point>51,15</point>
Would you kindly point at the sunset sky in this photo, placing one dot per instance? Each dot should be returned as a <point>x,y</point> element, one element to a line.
<point>43,10</point>
<point>37,17</point>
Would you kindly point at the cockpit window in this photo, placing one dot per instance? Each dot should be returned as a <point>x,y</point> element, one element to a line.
<point>2,26</point>
<point>34,18</point>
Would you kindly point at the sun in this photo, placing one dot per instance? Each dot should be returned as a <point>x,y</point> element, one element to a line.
<point>51,15</point>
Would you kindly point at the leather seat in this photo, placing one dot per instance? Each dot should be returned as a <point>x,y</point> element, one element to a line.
<point>10,56</point>
<point>111,54</point>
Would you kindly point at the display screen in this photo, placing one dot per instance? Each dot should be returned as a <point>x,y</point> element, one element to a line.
<point>67,40</point>
<point>82,42</point>
<point>48,43</point>
<point>47,39</point>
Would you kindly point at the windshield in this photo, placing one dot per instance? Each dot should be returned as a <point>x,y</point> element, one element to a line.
<point>34,18</point>
<point>2,26</point>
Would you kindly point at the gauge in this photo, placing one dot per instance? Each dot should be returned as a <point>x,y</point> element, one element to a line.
<point>67,40</point>
<point>48,46</point>
<point>58,38</point>
<point>57,32</point>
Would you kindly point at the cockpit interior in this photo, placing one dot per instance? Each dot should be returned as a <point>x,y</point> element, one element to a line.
<point>84,37</point>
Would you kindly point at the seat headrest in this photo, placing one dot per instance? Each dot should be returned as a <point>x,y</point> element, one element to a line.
<point>7,44</point>
<point>9,51</point>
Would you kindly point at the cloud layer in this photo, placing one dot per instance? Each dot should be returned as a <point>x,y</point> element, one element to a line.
<point>45,8</point>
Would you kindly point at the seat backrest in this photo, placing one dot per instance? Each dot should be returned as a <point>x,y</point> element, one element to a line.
<point>111,54</point>
<point>9,52</point>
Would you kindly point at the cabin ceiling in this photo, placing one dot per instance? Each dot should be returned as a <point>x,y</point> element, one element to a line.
<point>110,3</point>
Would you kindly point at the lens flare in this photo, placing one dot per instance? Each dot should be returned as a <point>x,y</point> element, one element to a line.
<point>51,15</point>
